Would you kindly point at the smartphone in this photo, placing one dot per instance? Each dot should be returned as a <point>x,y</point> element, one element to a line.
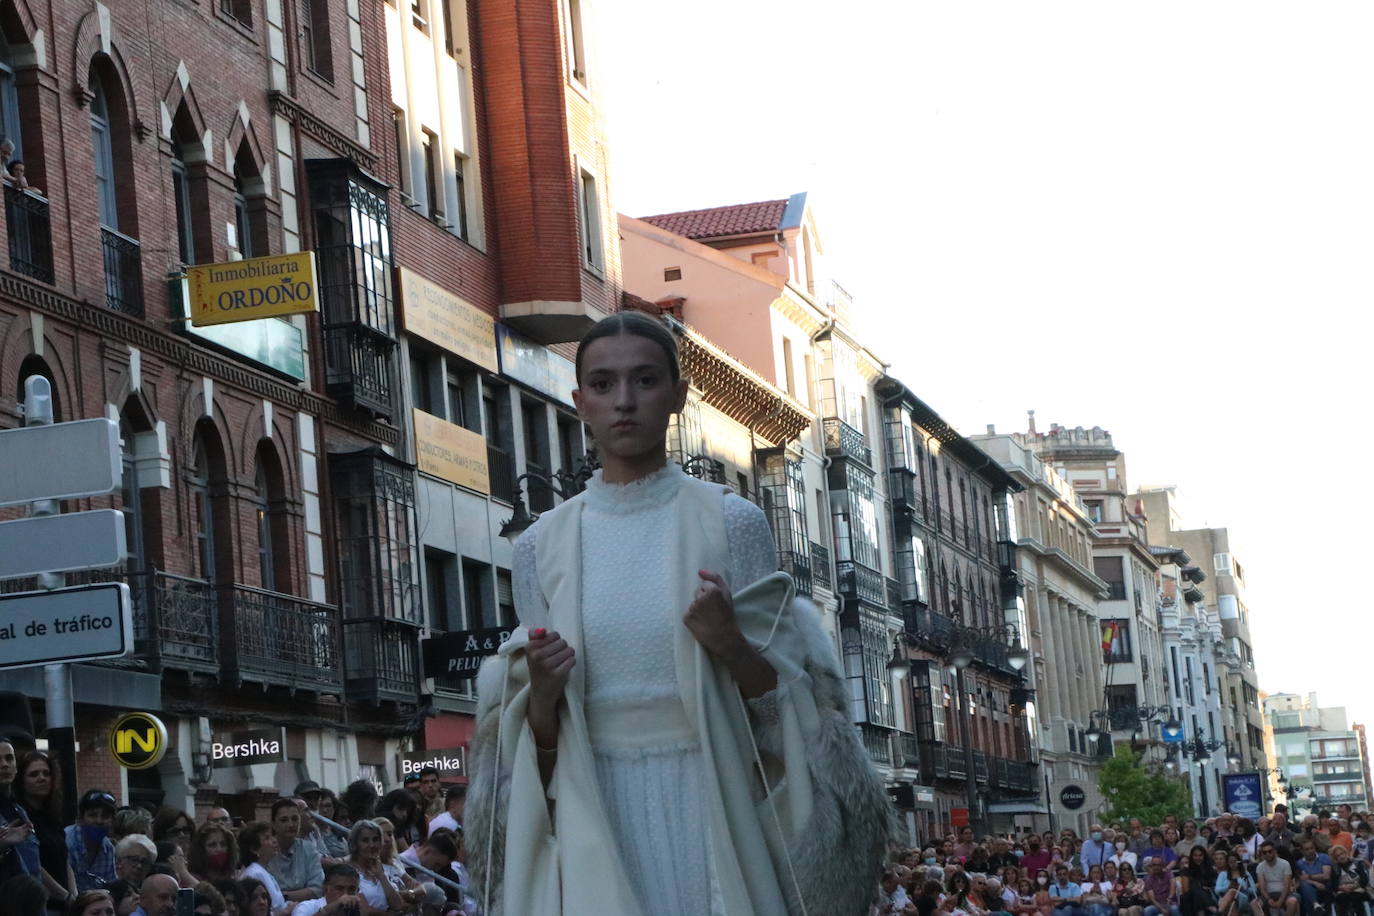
<point>186,901</point>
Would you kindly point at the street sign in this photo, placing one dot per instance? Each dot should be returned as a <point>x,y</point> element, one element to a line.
<point>459,654</point>
<point>61,461</point>
<point>958,817</point>
<point>1072,797</point>
<point>76,624</point>
<point>1244,797</point>
<point>138,740</point>
<point>57,543</point>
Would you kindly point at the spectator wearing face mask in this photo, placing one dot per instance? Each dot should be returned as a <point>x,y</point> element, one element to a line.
<point>1096,849</point>
<point>1038,856</point>
<point>1123,854</point>
<point>90,852</point>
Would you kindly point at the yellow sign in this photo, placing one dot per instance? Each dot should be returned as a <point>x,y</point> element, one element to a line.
<point>445,320</point>
<point>138,740</point>
<point>457,455</point>
<point>282,284</point>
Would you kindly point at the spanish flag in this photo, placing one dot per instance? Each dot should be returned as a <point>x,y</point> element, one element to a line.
<point>1109,636</point>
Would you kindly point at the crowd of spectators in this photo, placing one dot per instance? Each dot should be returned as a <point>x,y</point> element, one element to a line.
<point>317,853</point>
<point>1223,866</point>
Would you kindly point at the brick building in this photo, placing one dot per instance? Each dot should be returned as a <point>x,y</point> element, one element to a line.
<point>273,507</point>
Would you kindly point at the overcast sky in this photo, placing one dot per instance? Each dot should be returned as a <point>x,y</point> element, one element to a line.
<point>1155,218</point>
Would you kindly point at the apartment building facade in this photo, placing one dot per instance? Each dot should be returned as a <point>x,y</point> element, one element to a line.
<point>1320,755</point>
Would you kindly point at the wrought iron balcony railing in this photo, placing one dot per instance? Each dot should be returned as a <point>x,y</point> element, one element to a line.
<point>855,580</point>
<point>281,639</point>
<point>798,566</point>
<point>30,230</point>
<point>843,439</point>
<point>382,661</point>
<point>358,366</point>
<point>820,567</point>
<point>123,272</point>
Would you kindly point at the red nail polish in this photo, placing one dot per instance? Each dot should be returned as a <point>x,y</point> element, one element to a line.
<point>537,633</point>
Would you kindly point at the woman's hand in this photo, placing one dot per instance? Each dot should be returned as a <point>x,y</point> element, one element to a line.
<point>551,661</point>
<point>711,620</point>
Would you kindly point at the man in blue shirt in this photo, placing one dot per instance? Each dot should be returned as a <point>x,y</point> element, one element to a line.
<point>1097,849</point>
<point>1314,871</point>
<point>1066,895</point>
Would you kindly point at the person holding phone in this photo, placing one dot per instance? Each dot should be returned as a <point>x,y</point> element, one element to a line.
<point>341,897</point>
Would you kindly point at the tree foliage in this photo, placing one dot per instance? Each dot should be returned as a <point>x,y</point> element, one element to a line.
<point>1133,789</point>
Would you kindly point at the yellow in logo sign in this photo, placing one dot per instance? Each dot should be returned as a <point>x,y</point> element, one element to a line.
<point>125,738</point>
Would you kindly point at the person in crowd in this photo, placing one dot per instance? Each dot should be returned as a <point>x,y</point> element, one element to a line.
<point>256,896</point>
<point>220,817</point>
<point>1281,836</point>
<point>19,852</point>
<point>359,800</point>
<point>1247,839</point>
<point>437,854</point>
<point>208,901</point>
<point>431,793</point>
<point>92,903</point>
<point>1109,871</point>
<point>38,790</point>
<point>1310,829</point>
<point>1197,882</point>
<point>341,897</point>
<point>1161,887</point>
<point>892,899</point>
<point>158,895</point>
<point>258,843</point>
<point>125,897</point>
<point>1065,894</point>
<point>959,895</point>
<point>1129,891</point>
<point>1338,834</point>
<point>214,853</point>
<point>1025,903</point>
<point>171,825</point>
<point>129,821</point>
<point>451,818</point>
<point>1188,840</point>
<point>296,863</point>
<point>964,847</point>
<point>1096,849</point>
<point>1038,855</point>
<point>24,895</point>
<point>333,848</point>
<point>172,860</point>
<point>90,851</point>
<point>1159,849</point>
<point>1096,896</point>
<point>1350,882</point>
<point>232,893</point>
<point>1235,888</point>
<point>365,855</point>
<point>978,862</point>
<point>402,807</point>
<point>1067,853</point>
<point>1123,854</point>
<point>1314,873</point>
<point>1138,840</point>
<point>1274,881</point>
<point>134,857</point>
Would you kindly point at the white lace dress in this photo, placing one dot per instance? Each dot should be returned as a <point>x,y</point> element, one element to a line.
<point>653,793</point>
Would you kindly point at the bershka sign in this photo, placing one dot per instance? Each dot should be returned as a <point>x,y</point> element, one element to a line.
<point>459,654</point>
<point>259,745</point>
<point>449,761</point>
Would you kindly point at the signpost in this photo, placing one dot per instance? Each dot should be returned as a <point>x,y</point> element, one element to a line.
<point>45,463</point>
<point>1243,794</point>
<point>254,745</point>
<point>282,284</point>
<point>451,762</point>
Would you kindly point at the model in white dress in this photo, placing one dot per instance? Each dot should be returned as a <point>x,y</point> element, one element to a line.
<point>653,789</point>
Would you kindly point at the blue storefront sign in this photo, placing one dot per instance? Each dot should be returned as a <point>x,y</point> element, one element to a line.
<point>1244,795</point>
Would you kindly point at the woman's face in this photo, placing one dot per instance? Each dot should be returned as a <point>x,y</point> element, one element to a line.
<point>626,395</point>
<point>1219,860</point>
<point>128,904</point>
<point>215,842</point>
<point>326,807</point>
<point>38,780</point>
<point>261,902</point>
<point>369,845</point>
<point>99,908</point>
<point>388,835</point>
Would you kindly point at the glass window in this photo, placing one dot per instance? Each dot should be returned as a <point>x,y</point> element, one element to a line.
<point>460,215</point>
<point>9,101</point>
<point>590,219</point>
<point>103,149</point>
<point>315,42</point>
<point>263,507</point>
<point>181,195</point>
<point>203,512</point>
<point>374,498</point>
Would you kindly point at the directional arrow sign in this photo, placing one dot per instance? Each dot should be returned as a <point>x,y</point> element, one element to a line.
<point>66,625</point>
<point>61,461</point>
<point>57,543</point>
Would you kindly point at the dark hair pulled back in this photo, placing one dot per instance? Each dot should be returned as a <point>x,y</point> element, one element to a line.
<point>638,324</point>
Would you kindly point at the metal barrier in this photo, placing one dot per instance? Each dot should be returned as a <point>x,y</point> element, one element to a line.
<point>410,866</point>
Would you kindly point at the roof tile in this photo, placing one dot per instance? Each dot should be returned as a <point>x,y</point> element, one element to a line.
<point>718,222</point>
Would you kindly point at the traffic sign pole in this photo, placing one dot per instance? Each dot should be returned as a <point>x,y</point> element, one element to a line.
<point>57,679</point>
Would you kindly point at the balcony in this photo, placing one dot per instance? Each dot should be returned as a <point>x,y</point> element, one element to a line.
<point>381,662</point>
<point>549,322</point>
<point>358,360</point>
<point>1013,776</point>
<point>931,627</point>
<point>855,580</point>
<point>907,503</point>
<point>1348,776</point>
<point>909,750</point>
<point>878,742</point>
<point>280,639</point>
<point>123,272</point>
<point>176,621</point>
<point>820,567</point>
<point>30,229</point>
<point>1116,591</point>
<point>798,566</point>
<point>1192,594</point>
<point>845,441</point>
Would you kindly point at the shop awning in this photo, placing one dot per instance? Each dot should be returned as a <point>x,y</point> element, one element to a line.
<point>1029,806</point>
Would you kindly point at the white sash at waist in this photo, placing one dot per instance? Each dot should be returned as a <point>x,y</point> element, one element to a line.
<point>654,724</point>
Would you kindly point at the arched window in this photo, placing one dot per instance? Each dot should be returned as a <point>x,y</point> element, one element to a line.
<point>103,147</point>
<point>189,195</point>
<point>181,198</point>
<point>274,536</point>
<point>250,229</point>
<point>130,498</point>
<point>263,505</point>
<point>202,512</point>
<point>207,481</point>
<point>9,100</point>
